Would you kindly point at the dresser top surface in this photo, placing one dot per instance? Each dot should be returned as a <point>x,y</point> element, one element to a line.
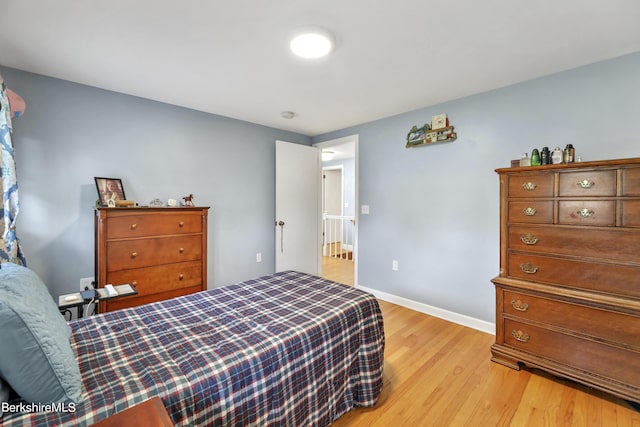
<point>634,161</point>
<point>154,209</point>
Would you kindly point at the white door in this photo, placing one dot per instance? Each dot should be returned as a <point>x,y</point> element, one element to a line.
<point>297,221</point>
<point>332,191</point>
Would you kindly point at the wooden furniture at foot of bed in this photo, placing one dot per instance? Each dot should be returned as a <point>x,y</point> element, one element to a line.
<point>150,413</point>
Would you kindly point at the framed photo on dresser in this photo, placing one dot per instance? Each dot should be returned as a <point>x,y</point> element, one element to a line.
<point>110,190</point>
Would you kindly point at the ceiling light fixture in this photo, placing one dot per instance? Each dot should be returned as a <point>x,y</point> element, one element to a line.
<point>287,114</point>
<point>312,42</point>
<point>327,155</point>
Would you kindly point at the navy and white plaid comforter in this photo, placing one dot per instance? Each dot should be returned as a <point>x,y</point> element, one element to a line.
<point>288,349</point>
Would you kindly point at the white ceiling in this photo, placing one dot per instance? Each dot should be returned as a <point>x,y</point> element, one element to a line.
<point>231,58</point>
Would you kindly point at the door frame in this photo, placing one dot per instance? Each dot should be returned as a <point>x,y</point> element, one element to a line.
<point>333,143</point>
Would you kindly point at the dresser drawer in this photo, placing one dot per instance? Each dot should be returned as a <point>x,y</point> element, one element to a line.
<point>631,213</point>
<point>603,324</point>
<point>614,244</point>
<point>531,211</point>
<point>585,212</point>
<point>588,355</point>
<point>533,185</point>
<point>588,183</point>
<point>165,223</point>
<point>127,254</point>
<point>161,278</point>
<point>631,182</point>
<point>608,278</point>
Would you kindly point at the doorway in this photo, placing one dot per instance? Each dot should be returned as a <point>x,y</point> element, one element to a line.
<point>339,213</point>
<point>332,210</point>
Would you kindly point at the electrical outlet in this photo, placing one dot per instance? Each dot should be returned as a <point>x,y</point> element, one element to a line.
<point>394,265</point>
<point>259,257</point>
<point>87,283</point>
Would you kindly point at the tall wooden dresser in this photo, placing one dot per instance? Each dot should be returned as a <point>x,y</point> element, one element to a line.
<point>568,293</point>
<point>161,251</point>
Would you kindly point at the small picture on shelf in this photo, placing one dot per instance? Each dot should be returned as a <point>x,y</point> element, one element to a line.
<point>416,135</point>
<point>440,121</point>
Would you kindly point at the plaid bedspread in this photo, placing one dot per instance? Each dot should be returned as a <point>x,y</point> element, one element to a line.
<point>287,349</point>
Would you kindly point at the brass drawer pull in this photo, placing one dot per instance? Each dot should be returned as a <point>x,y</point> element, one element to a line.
<point>134,283</point>
<point>180,276</point>
<point>529,239</point>
<point>529,211</point>
<point>134,226</point>
<point>181,224</point>
<point>585,213</point>
<point>519,305</point>
<point>529,268</point>
<point>134,254</point>
<point>520,336</point>
<point>181,250</point>
<point>529,186</point>
<point>586,183</point>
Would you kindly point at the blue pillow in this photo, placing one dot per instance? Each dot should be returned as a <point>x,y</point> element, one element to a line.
<point>5,392</point>
<point>35,356</point>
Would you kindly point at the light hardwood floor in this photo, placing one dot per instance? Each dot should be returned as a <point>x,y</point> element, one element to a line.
<point>438,373</point>
<point>338,270</point>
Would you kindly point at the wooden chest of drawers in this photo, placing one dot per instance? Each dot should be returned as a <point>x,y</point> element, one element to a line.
<point>161,251</point>
<point>568,293</point>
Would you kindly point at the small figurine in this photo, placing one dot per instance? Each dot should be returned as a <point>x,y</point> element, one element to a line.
<point>188,200</point>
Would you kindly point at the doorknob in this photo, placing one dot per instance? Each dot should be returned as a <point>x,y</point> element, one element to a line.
<point>281,224</point>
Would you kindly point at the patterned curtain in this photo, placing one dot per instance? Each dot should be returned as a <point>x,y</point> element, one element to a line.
<point>9,247</point>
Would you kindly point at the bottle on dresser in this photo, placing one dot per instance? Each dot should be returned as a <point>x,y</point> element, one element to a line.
<point>545,156</point>
<point>535,158</point>
<point>556,156</point>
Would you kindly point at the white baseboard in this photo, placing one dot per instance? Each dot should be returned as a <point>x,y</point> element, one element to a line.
<point>450,316</point>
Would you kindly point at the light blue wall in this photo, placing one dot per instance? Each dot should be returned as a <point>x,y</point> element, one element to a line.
<point>435,208</point>
<point>71,133</point>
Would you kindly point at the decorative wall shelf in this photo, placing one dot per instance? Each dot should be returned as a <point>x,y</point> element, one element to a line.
<point>432,136</point>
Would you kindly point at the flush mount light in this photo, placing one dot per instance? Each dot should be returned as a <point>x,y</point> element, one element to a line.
<point>327,155</point>
<point>312,42</point>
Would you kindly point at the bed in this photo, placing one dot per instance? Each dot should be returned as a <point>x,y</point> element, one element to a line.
<point>288,349</point>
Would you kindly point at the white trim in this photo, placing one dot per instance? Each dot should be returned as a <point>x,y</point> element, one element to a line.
<point>460,319</point>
